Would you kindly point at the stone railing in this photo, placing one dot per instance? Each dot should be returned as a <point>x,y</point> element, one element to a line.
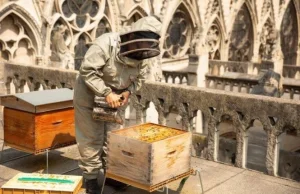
<point>175,77</point>
<point>240,81</point>
<point>219,67</point>
<point>34,77</point>
<point>277,116</point>
<point>291,71</point>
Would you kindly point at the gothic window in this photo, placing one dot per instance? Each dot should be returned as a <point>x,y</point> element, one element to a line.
<point>178,35</point>
<point>17,42</point>
<point>289,35</point>
<point>86,20</point>
<point>241,40</point>
<point>80,50</point>
<point>213,41</point>
<point>81,8</point>
<point>103,27</point>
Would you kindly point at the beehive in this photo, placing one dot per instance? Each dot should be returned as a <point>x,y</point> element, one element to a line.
<point>148,155</point>
<point>27,183</point>
<point>37,121</point>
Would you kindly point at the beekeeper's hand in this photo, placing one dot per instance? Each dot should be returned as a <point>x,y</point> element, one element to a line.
<point>125,96</point>
<point>114,100</point>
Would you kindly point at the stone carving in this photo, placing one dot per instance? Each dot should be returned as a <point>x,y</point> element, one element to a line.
<point>268,38</point>
<point>178,36</point>
<point>213,41</point>
<point>268,84</point>
<point>241,40</point>
<point>215,7</point>
<point>266,8</point>
<point>61,55</point>
<point>289,35</point>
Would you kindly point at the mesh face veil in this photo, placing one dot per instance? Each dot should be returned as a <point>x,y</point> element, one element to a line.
<point>140,45</point>
<point>142,41</point>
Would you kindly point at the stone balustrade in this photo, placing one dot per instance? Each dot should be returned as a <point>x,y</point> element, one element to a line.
<point>291,71</point>
<point>276,115</point>
<point>176,77</point>
<point>217,67</point>
<point>35,77</point>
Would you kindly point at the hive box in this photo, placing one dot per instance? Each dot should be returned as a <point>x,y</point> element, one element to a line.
<point>37,121</point>
<point>149,154</point>
<point>27,183</point>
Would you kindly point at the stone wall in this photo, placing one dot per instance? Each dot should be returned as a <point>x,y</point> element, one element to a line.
<point>58,33</point>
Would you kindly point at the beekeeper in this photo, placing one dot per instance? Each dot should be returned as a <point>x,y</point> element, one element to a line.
<point>114,66</point>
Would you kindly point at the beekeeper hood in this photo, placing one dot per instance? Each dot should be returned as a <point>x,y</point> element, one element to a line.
<point>142,41</point>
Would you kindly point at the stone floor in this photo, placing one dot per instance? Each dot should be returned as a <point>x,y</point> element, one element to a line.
<point>217,178</point>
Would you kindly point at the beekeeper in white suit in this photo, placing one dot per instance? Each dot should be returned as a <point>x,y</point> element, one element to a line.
<point>114,66</point>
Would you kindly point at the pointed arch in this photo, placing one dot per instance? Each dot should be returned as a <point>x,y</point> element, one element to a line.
<point>178,35</point>
<point>289,34</point>
<point>83,43</point>
<point>103,26</point>
<point>134,14</point>
<point>242,36</point>
<point>28,22</point>
<point>171,8</point>
<point>214,38</point>
<point>253,16</point>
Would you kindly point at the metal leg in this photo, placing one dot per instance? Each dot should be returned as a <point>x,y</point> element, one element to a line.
<point>47,165</point>
<point>181,184</point>
<point>200,180</point>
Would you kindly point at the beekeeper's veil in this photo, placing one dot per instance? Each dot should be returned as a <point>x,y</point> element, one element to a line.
<point>142,41</point>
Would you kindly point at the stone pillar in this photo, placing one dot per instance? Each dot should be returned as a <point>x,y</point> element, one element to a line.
<point>198,67</point>
<point>271,151</point>
<point>250,69</point>
<point>298,57</point>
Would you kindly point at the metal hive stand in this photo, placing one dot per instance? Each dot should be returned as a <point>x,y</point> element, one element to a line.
<point>163,186</point>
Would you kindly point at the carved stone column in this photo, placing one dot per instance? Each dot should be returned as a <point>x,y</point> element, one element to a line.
<point>198,67</point>
<point>271,151</point>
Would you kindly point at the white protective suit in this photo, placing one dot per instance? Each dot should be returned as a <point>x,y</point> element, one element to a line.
<point>104,69</point>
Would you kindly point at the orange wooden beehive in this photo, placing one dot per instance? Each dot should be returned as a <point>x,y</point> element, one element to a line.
<point>37,121</point>
<point>148,155</point>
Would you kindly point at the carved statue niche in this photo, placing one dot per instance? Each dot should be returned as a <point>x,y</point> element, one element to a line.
<point>61,56</point>
<point>268,39</point>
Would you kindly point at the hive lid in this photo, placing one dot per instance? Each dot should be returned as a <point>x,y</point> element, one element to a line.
<point>39,101</point>
<point>44,182</point>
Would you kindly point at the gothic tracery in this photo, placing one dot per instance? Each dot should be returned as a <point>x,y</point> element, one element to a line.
<point>241,40</point>
<point>178,36</point>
